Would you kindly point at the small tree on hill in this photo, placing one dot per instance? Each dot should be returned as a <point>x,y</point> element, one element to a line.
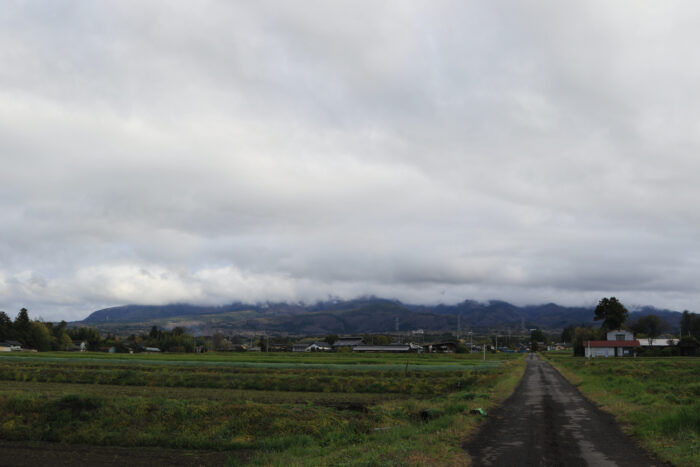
<point>612,312</point>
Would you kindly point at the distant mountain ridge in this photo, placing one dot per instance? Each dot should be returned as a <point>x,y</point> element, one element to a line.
<point>363,315</point>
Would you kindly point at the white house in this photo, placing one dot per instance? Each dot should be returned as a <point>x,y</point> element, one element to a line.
<point>319,347</point>
<point>619,343</point>
<point>9,346</point>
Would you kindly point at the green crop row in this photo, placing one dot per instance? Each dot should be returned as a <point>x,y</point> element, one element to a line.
<point>338,361</point>
<point>155,421</point>
<point>271,380</point>
<point>377,370</point>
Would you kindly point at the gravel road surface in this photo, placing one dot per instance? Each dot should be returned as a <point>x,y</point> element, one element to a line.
<point>547,422</point>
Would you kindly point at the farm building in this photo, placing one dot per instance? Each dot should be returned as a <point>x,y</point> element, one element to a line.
<point>319,347</point>
<point>392,348</point>
<point>9,346</point>
<point>658,343</point>
<point>444,347</point>
<point>619,343</point>
<point>347,342</point>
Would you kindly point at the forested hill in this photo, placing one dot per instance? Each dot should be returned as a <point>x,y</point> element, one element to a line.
<point>364,315</point>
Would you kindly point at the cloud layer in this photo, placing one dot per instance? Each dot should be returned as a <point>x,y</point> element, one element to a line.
<point>429,151</point>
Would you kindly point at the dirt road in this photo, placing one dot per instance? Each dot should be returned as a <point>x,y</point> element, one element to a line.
<point>547,422</point>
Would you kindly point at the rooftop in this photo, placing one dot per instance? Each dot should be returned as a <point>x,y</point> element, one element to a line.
<point>634,343</point>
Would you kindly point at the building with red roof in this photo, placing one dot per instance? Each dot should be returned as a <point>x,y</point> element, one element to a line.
<point>619,343</point>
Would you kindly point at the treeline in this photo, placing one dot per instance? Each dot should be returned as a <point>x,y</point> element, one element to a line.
<point>175,340</point>
<point>45,336</point>
<point>35,334</point>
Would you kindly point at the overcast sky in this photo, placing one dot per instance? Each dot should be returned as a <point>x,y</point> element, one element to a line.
<point>434,151</point>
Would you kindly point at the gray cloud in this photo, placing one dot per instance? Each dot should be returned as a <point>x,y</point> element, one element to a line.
<point>428,151</point>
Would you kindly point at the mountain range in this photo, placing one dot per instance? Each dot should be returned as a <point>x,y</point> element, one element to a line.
<point>358,316</point>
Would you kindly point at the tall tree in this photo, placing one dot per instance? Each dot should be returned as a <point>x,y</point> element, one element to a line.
<point>651,325</point>
<point>687,320</point>
<point>536,336</point>
<point>38,336</point>
<point>21,325</point>
<point>332,338</point>
<point>5,326</point>
<point>582,334</point>
<point>612,312</point>
<point>567,334</point>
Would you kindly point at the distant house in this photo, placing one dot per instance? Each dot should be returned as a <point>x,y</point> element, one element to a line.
<point>619,343</point>
<point>9,346</point>
<point>5,347</point>
<point>151,349</point>
<point>78,346</point>
<point>442,347</point>
<point>347,342</point>
<point>280,348</point>
<point>658,343</point>
<point>319,347</point>
<point>299,347</point>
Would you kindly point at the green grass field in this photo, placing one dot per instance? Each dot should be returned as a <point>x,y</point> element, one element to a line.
<point>656,399</point>
<point>298,409</point>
